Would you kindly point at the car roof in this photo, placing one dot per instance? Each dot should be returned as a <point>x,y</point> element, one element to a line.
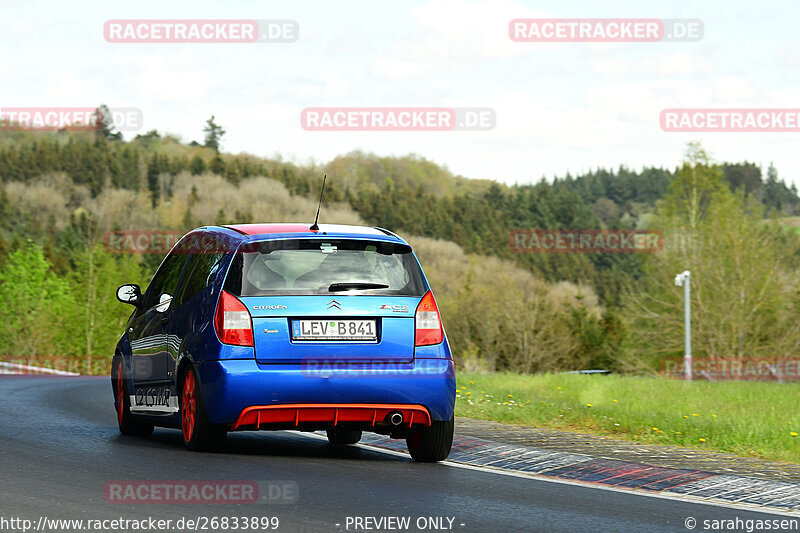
<point>303,230</point>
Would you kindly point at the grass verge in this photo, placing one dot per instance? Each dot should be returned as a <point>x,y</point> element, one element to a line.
<point>746,418</point>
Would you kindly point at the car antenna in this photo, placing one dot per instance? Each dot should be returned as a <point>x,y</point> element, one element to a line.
<point>315,227</point>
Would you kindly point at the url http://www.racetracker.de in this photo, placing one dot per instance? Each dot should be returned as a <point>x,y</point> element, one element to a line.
<point>149,523</point>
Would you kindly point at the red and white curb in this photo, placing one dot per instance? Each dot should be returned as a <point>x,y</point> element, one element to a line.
<point>777,497</point>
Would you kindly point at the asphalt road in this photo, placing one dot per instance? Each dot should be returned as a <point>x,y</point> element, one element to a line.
<point>59,446</point>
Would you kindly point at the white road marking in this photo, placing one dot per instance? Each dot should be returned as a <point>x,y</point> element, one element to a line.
<point>661,495</point>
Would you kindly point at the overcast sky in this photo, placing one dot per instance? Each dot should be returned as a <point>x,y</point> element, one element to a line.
<point>559,107</point>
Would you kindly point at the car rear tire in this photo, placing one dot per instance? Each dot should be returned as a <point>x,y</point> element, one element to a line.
<point>340,437</point>
<point>199,434</point>
<point>128,425</point>
<point>431,444</point>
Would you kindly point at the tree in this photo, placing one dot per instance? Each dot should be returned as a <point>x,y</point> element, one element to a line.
<point>6,209</point>
<point>746,176</point>
<point>691,190</point>
<point>104,122</point>
<point>214,133</point>
<point>777,196</point>
<point>40,300</point>
<point>153,172</point>
<point>243,217</point>
<point>148,139</point>
<point>233,173</point>
<point>745,295</point>
<point>198,165</point>
<point>3,251</point>
<point>606,210</point>
<point>94,281</point>
<point>218,165</point>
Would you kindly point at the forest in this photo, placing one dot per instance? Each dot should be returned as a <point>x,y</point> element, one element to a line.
<point>732,226</point>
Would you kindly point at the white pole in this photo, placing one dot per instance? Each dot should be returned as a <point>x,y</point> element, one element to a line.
<point>685,279</point>
<point>687,324</point>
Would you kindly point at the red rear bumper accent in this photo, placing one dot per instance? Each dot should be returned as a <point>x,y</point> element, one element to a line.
<point>325,413</point>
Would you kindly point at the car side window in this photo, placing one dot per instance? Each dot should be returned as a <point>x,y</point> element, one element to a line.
<point>202,268</point>
<point>165,280</point>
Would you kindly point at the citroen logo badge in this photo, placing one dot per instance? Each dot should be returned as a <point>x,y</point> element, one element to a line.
<point>334,303</point>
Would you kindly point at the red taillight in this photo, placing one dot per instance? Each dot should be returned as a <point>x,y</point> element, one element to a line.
<point>427,322</point>
<point>232,321</point>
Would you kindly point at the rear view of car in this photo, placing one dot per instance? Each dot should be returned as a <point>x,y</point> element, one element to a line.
<point>332,329</point>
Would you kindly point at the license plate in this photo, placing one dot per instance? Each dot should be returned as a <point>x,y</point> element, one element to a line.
<point>334,330</point>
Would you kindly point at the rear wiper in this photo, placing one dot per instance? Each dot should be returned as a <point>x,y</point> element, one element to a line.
<point>334,287</point>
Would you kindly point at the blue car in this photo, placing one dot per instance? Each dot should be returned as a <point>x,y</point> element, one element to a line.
<point>287,326</point>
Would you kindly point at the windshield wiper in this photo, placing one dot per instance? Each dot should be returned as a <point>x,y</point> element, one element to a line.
<point>362,285</point>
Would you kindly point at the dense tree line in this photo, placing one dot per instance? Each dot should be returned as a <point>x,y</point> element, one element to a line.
<point>63,275</point>
<point>408,194</point>
<point>62,190</point>
<point>618,197</point>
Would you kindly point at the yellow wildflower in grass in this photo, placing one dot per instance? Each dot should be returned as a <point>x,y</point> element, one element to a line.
<point>588,405</point>
<point>615,401</point>
<point>505,403</point>
<point>715,416</point>
<point>559,388</point>
<point>677,432</point>
<point>701,439</point>
<point>793,433</point>
<point>463,387</point>
<point>695,414</point>
<point>685,416</point>
<point>469,393</point>
<point>472,383</point>
<point>510,395</point>
<point>655,429</point>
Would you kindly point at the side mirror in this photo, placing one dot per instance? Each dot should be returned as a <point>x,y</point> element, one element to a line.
<point>163,302</point>
<point>130,293</point>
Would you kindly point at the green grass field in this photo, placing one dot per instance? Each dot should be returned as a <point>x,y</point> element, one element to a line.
<point>745,418</point>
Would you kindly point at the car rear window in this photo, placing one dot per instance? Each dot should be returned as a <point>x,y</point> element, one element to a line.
<point>317,266</point>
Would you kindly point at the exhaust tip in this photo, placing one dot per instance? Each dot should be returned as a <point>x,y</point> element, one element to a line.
<point>396,418</point>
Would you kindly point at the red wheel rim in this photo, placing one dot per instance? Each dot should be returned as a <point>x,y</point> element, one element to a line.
<point>120,394</point>
<point>188,406</point>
